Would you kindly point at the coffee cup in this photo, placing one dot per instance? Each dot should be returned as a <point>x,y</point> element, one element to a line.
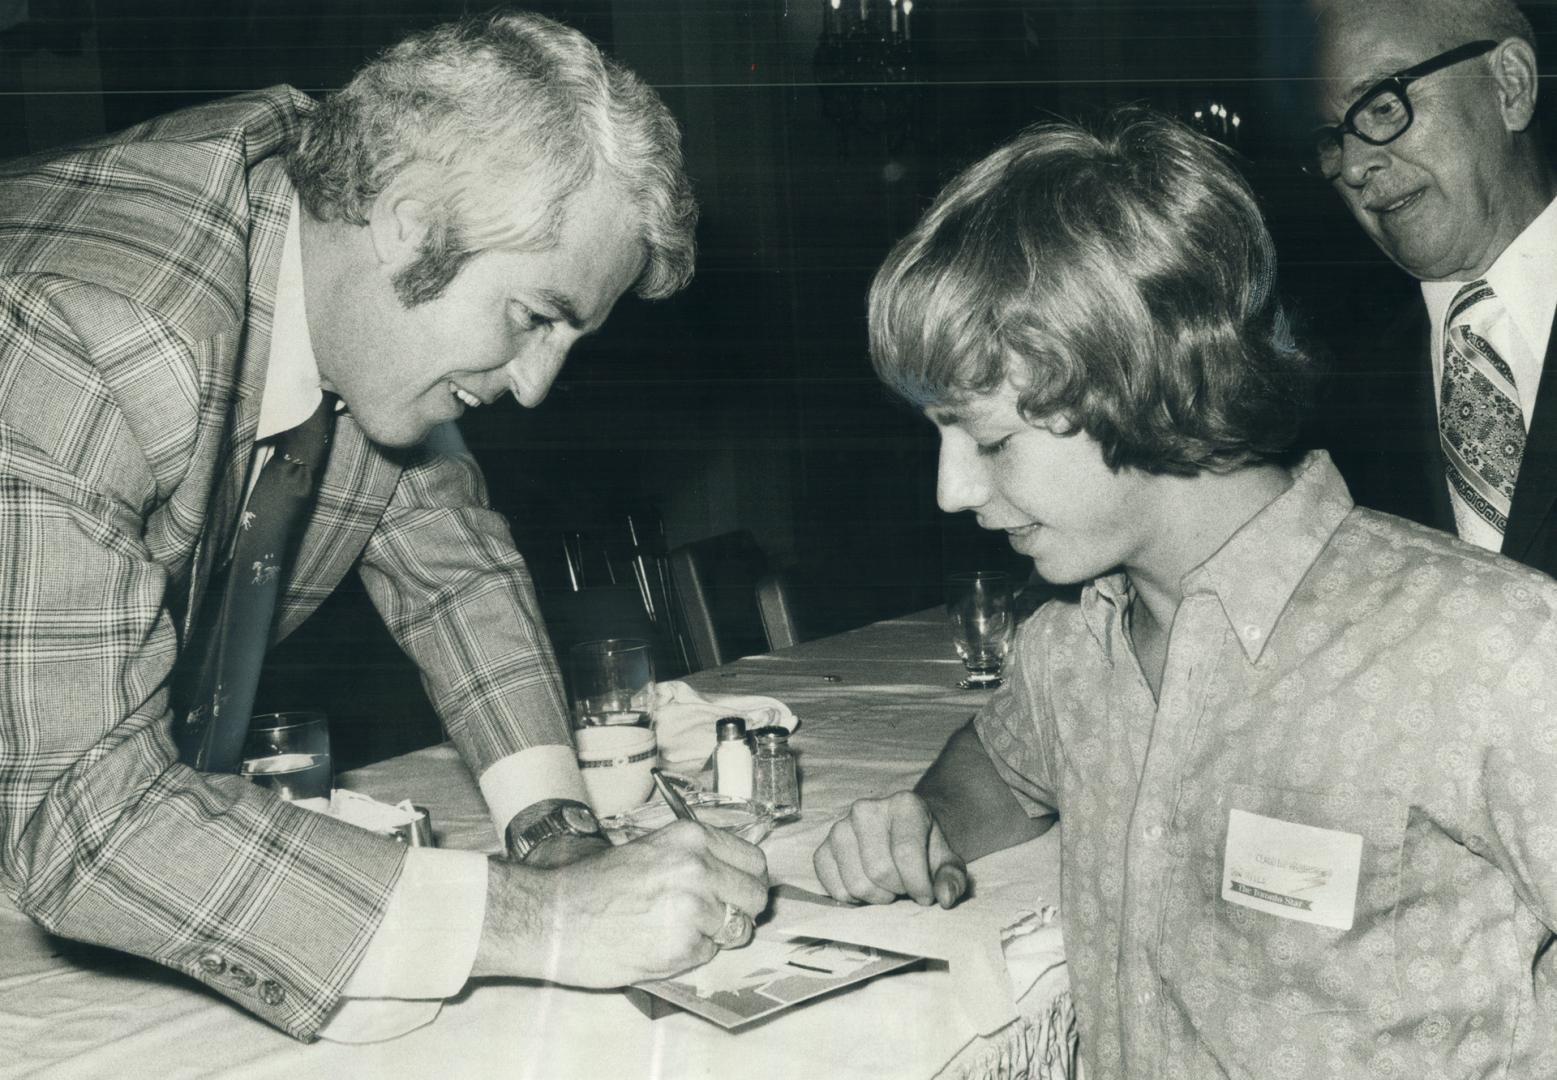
<point>615,763</point>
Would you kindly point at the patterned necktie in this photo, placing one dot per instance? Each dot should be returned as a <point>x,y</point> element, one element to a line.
<point>1480,424</point>
<point>211,736</point>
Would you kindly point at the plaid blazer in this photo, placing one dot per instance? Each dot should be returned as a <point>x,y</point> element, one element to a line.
<point>137,282</point>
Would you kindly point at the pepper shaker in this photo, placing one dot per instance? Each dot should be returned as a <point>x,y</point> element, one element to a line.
<point>774,782</point>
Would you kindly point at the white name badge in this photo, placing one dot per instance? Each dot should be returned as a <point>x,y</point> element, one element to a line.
<point>1291,870</point>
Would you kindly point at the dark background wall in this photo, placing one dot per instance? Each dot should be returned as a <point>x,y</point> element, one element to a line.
<point>748,401</point>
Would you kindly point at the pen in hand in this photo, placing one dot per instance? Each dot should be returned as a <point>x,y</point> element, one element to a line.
<point>672,797</point>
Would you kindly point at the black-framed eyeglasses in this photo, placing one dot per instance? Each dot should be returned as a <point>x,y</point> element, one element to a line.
<point>1383,112</point>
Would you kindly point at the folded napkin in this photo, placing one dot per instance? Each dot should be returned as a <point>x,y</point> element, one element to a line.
<point>363,811</point>
<point>685,719</point>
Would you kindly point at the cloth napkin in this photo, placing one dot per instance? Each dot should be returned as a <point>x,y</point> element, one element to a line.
<point>363,811</point>
<point>685,719</point>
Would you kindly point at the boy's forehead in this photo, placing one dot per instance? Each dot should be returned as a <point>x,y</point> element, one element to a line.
<point>972,408</point>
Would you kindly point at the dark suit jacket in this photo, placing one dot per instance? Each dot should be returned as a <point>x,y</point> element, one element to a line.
<point>1381,426</point>
<point>137,284</point>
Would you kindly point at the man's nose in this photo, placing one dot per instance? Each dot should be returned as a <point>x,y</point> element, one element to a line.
<point>960,480</point>
<point>531,373</point>
<point>1359,158</point>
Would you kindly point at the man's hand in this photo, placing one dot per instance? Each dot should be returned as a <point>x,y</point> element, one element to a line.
<point>640,911</point>
<point>886,848</point>
<point>561,850</point>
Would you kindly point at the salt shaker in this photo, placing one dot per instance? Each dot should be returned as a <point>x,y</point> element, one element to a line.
<point>732,758</point>
<point>774,784</point>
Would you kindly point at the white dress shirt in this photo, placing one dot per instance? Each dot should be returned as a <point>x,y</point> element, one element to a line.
<point>423,950</point>
<point>1524,277</point>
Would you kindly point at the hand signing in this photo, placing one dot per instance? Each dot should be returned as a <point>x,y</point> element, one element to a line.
<point>644,910</point>
<point>886,848</point>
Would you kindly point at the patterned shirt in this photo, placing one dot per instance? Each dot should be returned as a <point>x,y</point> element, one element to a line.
<point>1356,741</point>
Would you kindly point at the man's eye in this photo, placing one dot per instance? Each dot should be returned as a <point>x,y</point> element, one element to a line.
<point>1385,108</point>
<point>526,318</point>
<point>991,449</point>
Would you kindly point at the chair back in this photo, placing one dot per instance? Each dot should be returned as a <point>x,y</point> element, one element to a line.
<point>731,602</point>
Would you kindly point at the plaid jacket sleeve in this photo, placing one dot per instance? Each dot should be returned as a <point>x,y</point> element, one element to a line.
<point>106,440</point>
<point>444,573</point>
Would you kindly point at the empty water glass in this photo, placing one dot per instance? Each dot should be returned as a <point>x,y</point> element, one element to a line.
<point>980,609</point>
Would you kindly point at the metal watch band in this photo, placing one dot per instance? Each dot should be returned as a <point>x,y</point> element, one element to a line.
<point>558,817</point>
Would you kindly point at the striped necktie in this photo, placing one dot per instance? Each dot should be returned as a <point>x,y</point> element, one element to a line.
<point>1481,426</point>
<point>237,627</point>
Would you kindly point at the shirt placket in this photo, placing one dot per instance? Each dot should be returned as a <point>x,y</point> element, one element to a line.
<point>1150,848</point>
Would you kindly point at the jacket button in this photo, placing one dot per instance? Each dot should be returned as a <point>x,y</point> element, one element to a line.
<point>212,964</point>
<point>271,993</point>
<point>241,976</point>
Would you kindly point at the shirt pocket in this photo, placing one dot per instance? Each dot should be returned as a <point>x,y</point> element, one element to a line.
<point>1303,967</point>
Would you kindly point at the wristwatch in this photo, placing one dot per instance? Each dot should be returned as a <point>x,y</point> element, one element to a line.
<point>559,817</point>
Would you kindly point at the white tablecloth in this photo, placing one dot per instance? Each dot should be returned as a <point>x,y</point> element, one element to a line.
<point>875,706</point>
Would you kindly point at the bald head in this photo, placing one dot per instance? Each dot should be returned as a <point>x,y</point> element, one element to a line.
<point>1466,173</point>
<point>1451,21</point>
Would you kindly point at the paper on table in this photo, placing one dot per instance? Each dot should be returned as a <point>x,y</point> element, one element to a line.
<point>968,937</point>
<point>773,973</point>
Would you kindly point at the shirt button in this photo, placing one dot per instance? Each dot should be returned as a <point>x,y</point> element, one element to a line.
<point>242,976</point>
<point>212,964</point>
<point>1252,633</point>
<point>271,993</point>
<point>1154,832</point>
<point>1144,997</point>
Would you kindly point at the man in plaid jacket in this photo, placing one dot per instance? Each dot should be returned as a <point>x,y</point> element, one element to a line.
<point>438,233</point>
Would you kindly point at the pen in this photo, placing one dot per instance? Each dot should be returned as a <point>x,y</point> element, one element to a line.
<point>672,797</point>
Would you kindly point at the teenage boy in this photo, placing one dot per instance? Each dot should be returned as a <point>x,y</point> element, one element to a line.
<point>1305,754</point>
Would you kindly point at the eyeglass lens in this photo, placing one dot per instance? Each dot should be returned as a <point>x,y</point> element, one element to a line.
<point>1378,118</point>
<point>1384,113</point>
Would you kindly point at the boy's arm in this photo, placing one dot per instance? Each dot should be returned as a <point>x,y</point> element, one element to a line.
<point>972,802</point>
<point>916,843</point>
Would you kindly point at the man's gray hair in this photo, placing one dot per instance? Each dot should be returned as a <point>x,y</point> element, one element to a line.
<point>490,107</point>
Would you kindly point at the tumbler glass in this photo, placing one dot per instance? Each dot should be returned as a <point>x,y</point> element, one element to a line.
<point>289,752</point>
<point>613,683</point>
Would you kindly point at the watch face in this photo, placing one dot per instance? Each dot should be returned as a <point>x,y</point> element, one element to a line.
<point>580,820</point>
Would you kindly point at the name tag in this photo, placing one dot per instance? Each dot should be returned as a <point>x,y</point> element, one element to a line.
<point>1291,870</point>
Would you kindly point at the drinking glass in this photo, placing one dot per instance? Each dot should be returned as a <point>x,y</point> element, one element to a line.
<point>289,752</point>
<point>613,683</point>
<point>983,618</point>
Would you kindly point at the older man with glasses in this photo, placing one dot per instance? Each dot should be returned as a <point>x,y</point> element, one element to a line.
<point>1428,133</point>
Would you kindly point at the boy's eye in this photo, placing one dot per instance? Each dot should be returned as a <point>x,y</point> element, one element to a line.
<point>991,449</point>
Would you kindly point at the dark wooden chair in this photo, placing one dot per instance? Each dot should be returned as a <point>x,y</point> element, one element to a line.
<point>732,602</point>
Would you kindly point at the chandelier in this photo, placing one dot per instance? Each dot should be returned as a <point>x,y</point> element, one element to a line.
<point>865,67</point>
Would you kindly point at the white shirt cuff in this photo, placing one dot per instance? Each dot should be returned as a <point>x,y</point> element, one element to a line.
<point>422,951</point>
<point>518,780</point>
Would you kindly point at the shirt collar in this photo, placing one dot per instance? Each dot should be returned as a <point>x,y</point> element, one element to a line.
<point>1255,573</point>
<point>292,389</point>
<point>1521,276</point>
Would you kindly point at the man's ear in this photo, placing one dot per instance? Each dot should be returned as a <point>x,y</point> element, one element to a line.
<point>400,219</point>
<point>1514,70</point>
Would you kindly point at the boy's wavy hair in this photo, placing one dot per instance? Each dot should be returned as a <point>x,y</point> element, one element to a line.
<point>1125,281</point>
